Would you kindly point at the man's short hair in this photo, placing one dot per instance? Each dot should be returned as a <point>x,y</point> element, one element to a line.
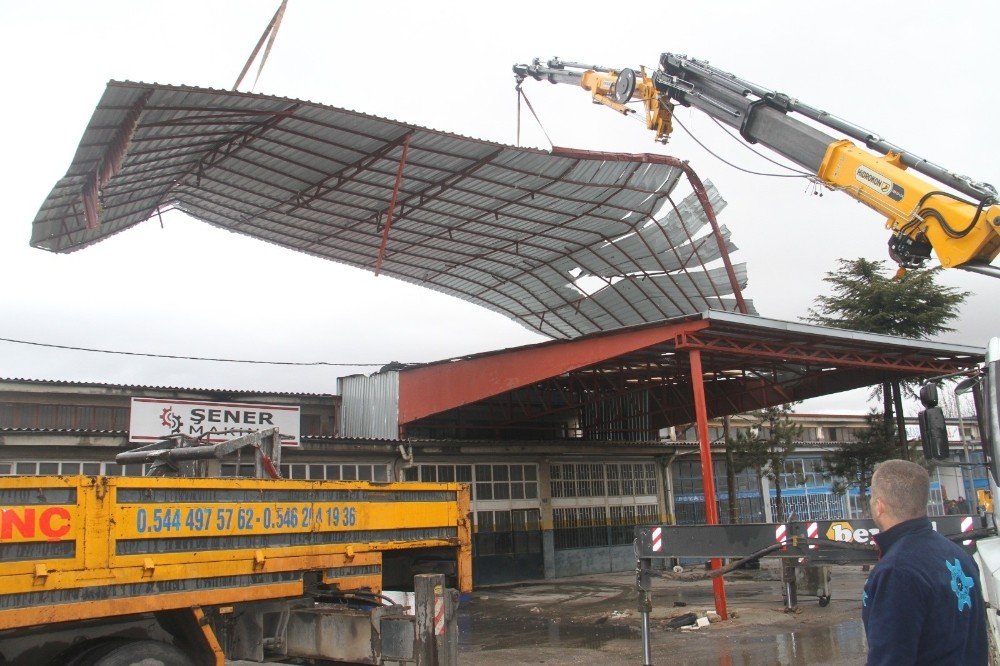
<point>903,487</point>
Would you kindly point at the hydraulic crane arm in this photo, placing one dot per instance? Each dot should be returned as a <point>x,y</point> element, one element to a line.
<point>962,227</point>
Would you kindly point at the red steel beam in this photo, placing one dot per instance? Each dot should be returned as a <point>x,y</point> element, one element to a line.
<point>696,185</point>
<point>707,471</point>
<point>432,389</point>
<point>331,182</point>
<point>392,205</point>
<point>806,354</point>
<point>111,162</point>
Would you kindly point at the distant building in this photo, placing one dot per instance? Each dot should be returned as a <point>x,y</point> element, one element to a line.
<point>806,492</point>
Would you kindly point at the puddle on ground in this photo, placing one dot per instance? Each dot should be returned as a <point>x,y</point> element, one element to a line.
<point>838,644</point>
<point>497,633</point>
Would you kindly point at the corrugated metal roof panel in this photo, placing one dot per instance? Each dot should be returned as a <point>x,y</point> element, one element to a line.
<point>369,405</point>
<point>478,220</point>
<point>64,431</point>
<point>187,389</point>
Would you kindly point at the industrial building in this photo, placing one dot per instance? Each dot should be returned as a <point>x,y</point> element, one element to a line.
<point>567,444</point>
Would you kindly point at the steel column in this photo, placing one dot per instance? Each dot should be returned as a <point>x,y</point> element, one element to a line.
<point>707,473</point>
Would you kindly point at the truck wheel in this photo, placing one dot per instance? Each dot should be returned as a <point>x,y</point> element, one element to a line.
<point>77,654</point>
<point>131,653</point>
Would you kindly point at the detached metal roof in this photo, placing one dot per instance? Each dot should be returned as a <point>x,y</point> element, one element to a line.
<point>567,243</point>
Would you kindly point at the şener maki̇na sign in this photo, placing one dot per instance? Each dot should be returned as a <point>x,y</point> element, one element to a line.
<point>152,419</point>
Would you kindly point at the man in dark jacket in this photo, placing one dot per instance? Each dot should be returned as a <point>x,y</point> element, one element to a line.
<point>922,602</point>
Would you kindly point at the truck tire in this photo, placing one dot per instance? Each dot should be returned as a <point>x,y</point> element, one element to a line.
<point>77,653</point>
<point>125,652</point>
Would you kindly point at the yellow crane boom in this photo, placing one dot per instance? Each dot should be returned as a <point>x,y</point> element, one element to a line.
<point>961,224</point>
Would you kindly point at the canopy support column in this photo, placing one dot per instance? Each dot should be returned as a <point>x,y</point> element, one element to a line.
<point>707,472</point>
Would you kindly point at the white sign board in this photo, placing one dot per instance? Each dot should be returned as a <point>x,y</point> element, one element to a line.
<point>152,419</point>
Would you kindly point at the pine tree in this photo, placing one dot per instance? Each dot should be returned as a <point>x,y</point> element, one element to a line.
<point>866,298</point>
<point>911,305</point>
<point>852,464</point>
<point>766,446</point>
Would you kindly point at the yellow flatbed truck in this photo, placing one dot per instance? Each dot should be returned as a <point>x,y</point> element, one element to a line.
<point>104,571</point>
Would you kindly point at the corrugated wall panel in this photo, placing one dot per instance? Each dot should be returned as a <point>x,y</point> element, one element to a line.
<point>370,405</point>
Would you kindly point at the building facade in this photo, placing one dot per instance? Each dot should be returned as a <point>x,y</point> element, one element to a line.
<point>541,509</point>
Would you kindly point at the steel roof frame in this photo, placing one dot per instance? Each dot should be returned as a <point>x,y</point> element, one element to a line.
<point>508,228</point>
<point>748,363</point>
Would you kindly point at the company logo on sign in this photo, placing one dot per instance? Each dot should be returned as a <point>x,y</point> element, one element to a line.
<point>31,524</point>
<point>153,419</point>
<point>878,182</point>
<point>171,420</point>
<point>842,531</point>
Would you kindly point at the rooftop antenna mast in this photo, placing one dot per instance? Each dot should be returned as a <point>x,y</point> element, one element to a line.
<point>272,31</point>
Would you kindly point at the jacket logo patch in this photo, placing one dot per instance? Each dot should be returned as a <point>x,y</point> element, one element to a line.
<point>960,584</point>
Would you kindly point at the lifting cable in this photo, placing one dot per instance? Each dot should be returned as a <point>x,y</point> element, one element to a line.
<point>272,30</point>
<point>739,168</point>
<point>758,153</point>
<point>520,96</point>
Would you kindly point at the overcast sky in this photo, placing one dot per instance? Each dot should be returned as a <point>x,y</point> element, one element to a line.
<point>920,73</point>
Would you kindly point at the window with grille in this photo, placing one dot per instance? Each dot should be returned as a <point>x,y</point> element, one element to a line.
<point>69,468</point>
<point>516,532</point>
<point>610,499</point>
<point>602,479</point>
<point>505,482</point>
<point>624,519</point>
<point>580,527</point>
<point>806,472</point>
<point>689,497</point>
<point>237,470</point>
<point>490,481</point>
<point>332,472</point>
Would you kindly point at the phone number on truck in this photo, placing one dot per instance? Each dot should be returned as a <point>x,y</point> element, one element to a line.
<point>243,519</point>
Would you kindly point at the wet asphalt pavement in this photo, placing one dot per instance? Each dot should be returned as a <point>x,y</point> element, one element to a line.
<point>593,620</point>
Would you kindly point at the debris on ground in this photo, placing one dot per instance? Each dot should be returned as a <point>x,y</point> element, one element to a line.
<point>614,615</point>
<point>681,621</point>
